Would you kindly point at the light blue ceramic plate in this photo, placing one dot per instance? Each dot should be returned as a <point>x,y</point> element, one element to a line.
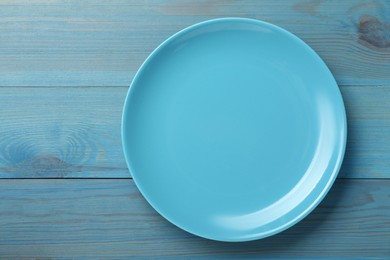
<point>234,129</point>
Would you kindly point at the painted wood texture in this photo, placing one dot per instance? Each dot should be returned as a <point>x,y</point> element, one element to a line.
<point>89,43</point>
<point>75,132</point>
<point>64,68</point>
<point>110,219</point>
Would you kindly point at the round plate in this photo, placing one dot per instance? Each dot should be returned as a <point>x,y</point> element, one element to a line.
<point>234,129</point>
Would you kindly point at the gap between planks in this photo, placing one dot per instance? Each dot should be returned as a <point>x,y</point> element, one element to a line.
<point>131,178</point>
<point>387,84</point>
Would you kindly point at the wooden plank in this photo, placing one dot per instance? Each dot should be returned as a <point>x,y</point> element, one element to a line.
<point>368,140</point>
<point>107,218</point>
<point>61,132</point>
<point>75,132</point>
<point>85,43</point>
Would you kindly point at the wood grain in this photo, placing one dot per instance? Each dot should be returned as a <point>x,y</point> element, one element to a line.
<point>61,132</point>
<point>64,68</point>
<point>109,218</point>
<point>75,132</point>
<point>89,43</point>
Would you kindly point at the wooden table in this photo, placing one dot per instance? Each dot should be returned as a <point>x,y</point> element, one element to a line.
<point>65,68</point>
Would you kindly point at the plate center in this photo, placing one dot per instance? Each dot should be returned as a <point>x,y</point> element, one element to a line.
<point>228,133</point>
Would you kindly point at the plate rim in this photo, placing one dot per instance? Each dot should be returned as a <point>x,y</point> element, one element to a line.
<point>340,155</point>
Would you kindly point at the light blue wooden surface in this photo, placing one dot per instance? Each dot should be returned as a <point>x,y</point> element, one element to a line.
<point>64,71</point>
<point>90,43</point>
<point>110,219</point>
<point>46,135</point>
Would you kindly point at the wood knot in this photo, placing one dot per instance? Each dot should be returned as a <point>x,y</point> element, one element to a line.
<point>374,32</point>
<point>45,165</point>
<point>47,162</point>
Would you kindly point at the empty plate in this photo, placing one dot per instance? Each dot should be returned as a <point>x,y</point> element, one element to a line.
<point>234,129</point>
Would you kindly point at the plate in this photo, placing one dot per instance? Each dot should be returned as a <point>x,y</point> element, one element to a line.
<point>234,129</point>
